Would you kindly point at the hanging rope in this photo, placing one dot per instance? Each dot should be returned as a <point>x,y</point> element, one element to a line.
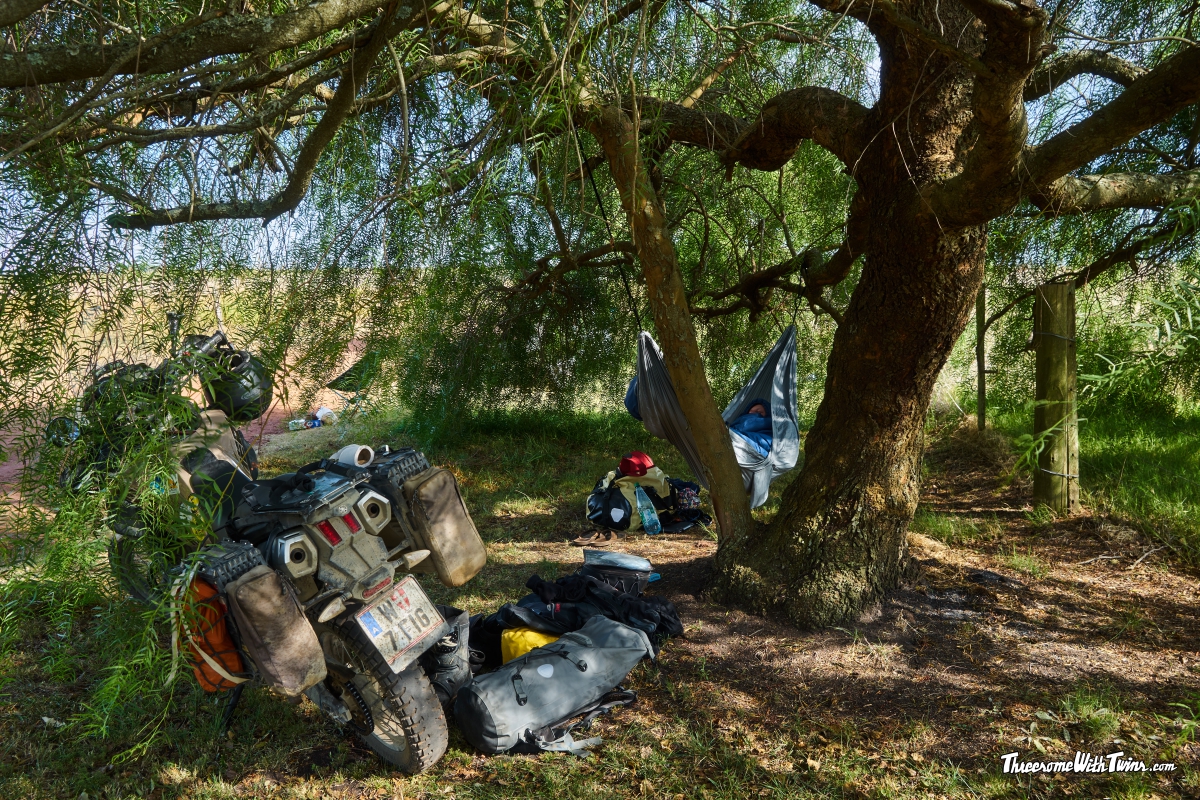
<point>612,240</point>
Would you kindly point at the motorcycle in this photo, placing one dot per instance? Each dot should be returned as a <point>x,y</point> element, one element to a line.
<point>315,568</point>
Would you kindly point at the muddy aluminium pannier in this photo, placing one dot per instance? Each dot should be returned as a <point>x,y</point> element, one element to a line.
<point>274,632</point>
<point>443,526</point>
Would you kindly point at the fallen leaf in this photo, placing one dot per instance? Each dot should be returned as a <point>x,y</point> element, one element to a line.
<point>813,764</point>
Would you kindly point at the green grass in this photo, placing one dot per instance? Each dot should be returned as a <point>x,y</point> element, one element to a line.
<point>954,529</point>
<point>525,478</point>
<point>1141,466</point>
<point>1026,562</point>
<point>1146,468</point>
<point>1094,711</point>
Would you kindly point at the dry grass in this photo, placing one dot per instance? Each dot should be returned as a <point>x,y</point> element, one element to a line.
<point>919,698</point>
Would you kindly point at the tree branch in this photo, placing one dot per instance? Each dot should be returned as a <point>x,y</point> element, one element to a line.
<point>711,78</point>
<point>1080,195</point>
<point>1114,258</point>
<point>1015,44</point>
<point>239,33</point>
<point>435,64</point>
<point>830,119</point>
<point>472,27</point>
<point>1149,100</point>
<point>293,192</point>
<point>754,290</point>
<point>615,18</point>
<point>12,11</point>
<point>541,279</point>
<point>1056,71</point>
<point>707,130</point>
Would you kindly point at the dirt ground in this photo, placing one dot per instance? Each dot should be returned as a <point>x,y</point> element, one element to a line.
<point>1032,630</point>
<point>1020,633</point>
<point>974,646</point>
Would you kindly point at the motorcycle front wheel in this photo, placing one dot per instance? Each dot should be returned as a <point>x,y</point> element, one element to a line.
<point>396,715</point>
<point>141,570</point>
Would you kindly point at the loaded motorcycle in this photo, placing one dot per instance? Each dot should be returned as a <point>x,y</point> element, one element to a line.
<point>310,573</point>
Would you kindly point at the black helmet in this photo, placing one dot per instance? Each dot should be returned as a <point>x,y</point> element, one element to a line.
<point>239,385</point>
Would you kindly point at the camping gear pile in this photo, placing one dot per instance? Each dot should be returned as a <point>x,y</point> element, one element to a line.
<point>652,400</point>
<point>639,496</point>
<point>524,678</point>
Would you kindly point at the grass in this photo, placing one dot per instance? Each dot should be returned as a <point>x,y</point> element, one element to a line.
<point>694,734</point>
<point>1141,466</point>
<point>1026,562</point>
<point>1146,468</point>
<point>1094,711</point>
<point>954,529</point>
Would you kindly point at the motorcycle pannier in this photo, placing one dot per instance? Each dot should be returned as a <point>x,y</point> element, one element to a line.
<point>444,527</point>
<point>275,633</point>
<point>509,706</point>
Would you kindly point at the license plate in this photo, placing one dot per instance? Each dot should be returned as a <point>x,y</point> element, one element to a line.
<point>400,621</point>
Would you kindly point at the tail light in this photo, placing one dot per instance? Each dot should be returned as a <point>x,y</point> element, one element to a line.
<point>351,523</point>
<point>329,533</point>
<point>377,588</point>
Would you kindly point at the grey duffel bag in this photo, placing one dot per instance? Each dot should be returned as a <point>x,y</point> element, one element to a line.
<point>531,694</point>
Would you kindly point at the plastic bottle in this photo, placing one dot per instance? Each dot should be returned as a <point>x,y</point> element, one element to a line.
<point>646,510</point>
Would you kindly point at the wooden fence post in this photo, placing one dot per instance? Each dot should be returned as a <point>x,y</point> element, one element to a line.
<point>1055,419</point>
<point>981,357</point>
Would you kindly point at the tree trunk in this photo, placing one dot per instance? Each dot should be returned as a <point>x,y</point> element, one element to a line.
<point>672,317</point>
<point>839,540</point>
<point>1055,420</point>
<point>981,358</point>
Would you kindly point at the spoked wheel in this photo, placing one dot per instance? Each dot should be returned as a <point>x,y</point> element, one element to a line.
<point>398,716</point>
<point>141,569</point>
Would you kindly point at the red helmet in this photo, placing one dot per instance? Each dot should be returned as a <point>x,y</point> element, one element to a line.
<point>635,463</point>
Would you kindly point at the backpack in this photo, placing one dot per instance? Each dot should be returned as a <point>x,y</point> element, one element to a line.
<point>525,703</point>
<point>613,502</point>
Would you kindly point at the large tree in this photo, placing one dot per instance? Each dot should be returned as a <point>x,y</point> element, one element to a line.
<point>228,112</point>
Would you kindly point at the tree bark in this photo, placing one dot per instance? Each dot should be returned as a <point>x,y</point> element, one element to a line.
<point>839,540</point>
<point>1055,419</point>
<point>672,318</point>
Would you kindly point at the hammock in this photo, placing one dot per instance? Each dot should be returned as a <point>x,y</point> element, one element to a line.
<point>776,378</point>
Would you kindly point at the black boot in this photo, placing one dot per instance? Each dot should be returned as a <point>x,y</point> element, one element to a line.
<point>448,663</point>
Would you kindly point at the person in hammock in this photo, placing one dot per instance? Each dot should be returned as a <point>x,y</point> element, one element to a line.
<point>755,426</point>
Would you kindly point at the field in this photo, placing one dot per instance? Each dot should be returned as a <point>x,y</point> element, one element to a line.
<point>1021,633</point>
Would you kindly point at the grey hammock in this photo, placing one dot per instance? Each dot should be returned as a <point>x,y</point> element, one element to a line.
<point>659,410</point>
